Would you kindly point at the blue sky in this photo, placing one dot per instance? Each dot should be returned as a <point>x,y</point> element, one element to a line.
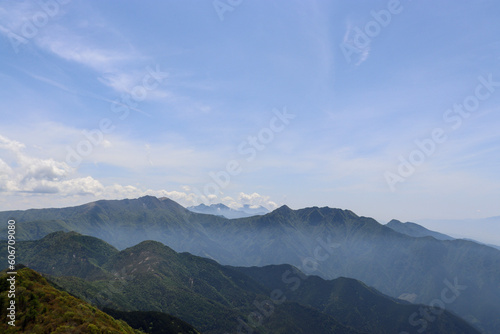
<point>304,103</point>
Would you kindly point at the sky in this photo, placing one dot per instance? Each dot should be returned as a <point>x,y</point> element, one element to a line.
<point>390,109</point>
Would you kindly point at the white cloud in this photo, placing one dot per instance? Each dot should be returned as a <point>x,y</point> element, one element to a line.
<point>23,175</point>
<point>5,172</point>
<point>253,200</point>
<point>72,50</point>
<point>256,200</point>
<point>47,169</point>
<point>10,145</point>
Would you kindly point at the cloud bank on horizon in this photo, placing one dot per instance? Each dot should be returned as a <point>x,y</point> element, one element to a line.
<point>387,108</point>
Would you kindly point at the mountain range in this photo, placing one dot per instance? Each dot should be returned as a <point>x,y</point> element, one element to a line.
<point>481,229</point>
<point>416,230</point>
<point>458,275</point>
<point>217,299</point>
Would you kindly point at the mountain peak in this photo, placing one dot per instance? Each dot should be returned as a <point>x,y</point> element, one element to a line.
<point>282,210</point>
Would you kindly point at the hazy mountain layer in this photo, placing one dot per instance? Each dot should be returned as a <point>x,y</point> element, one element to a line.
<point>321,241</point>
<point>481,229</point>
<point>415,230</point>
<point>216,298</point>
<point>356,304</point>
<point>153,277</point>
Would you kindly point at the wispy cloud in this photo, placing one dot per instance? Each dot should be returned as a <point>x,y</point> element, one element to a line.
<point>73,48</point>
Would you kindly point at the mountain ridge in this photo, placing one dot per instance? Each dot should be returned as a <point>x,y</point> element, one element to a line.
<point>416,230</point>
<point>321,241</point>
<point>151,276</point>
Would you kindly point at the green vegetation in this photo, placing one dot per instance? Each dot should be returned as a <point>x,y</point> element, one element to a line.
<point>40,308</point>
<point>70,254</point>
<point>153,277</point>
<point>153,322</point>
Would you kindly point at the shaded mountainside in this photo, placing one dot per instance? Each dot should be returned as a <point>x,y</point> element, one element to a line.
<point>153,322</point>
<point>356,304</point>
<point>415,230</point>
<point>321,241</point>
<point>41,308</point>
<point>153,277</point>
<point>219,299</point>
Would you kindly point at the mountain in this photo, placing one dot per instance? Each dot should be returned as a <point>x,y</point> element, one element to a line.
<point>152,277</point>
<point>353,303</point>
<point>216,298</point>
<point>481,229</point>
<point>122,223</point>
<point>489,245</point>
<point>227,212</point>
<point>41,308</point>
<point>323,241</point>
<point>70,254</point>
<point>415,230</point>
<point>153,322</point>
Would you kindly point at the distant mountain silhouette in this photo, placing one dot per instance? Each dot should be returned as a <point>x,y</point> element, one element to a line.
<point>225,211</point>
<point>481,229</point>
<point>415,230</point>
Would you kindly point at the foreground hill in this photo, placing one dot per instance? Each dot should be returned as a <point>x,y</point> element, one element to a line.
<point>321,241</point>
<point>219,299</point>
<point>40,308</point>
<point>153,322</point>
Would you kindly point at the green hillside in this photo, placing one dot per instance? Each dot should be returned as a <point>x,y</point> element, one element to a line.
<point>40,308</point>
<point>153,277</point>
<point>153,322</point>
